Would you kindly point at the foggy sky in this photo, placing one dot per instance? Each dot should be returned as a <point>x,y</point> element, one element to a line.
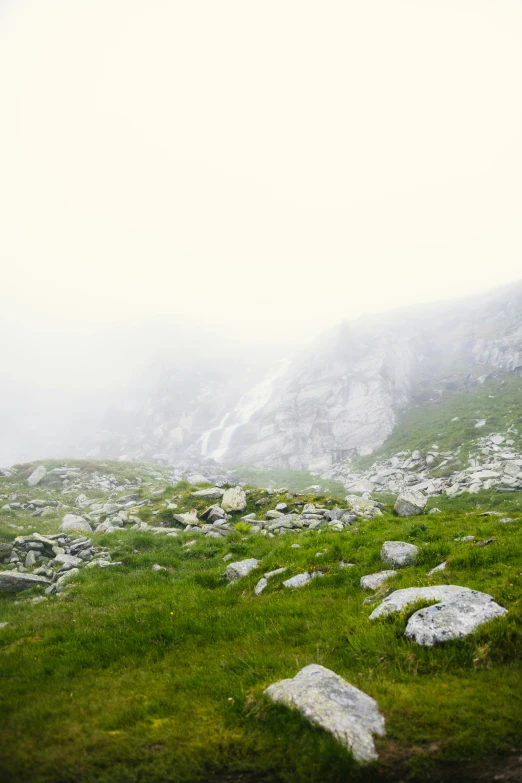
<point>253,171</point>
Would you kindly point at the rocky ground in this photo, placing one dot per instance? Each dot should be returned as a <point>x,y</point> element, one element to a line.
<point>493,462</point>
<point>348,610</point>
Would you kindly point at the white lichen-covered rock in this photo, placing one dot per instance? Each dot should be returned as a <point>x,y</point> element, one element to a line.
<point>74,522</point>
<point>234,500</point>
<point>14,582</point>
<point>36,476</point>
<point>398,553</point>
<point>410,502</point>
<point>373,581</point>
<point>327,700</point>
<point>235,571</point>
<point>457,613</point>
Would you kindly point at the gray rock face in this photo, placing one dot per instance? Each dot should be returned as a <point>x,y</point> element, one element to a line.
<point>234,500</point>
<point>74,522</point>
<point>457,613</point>
<point>398,553</point>
<point>327,700</point>
<point>373,581</point>
<point>36,476</point>
<point>14,582</point>
<point>235,571</point>
<point>410,503</point>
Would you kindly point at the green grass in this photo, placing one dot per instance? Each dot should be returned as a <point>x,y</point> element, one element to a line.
<point>294,480</point>
<point>499,401</point>
<point>133,675</point>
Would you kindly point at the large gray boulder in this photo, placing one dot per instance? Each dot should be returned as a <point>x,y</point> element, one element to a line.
<point>410,502</point>
<point>74,522</point>
<point>36,476</point>
<point>398,553</point>
<point>327,700</point>
<point>236,571</point>
<point>234,500</point>
<point>14,582</point>
<point>457,613</point>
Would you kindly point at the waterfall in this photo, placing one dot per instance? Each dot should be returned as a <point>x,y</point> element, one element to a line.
<point>251,402</point>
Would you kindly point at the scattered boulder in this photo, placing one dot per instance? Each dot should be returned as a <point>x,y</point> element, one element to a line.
<point>74,522</point>
<point>302,579</point>
<point>410,503</point>
<point>234,500</point>
<point>363,507</point>
<point>82,501</point>
<point>398,553</point>
<point>15,582</point>
<point>327,700</point>
<point>189,518</point>
<point>260,586</point>
<point>373,581</point>
<point>36,476</point>
<point>457,613</point>
<point>209,494</point>
<point>236,571</point>
<point>441,567</point>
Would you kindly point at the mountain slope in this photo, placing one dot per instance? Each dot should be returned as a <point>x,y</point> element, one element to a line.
<point>340,398</point>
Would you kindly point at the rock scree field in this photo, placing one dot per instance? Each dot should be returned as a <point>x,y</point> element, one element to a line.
<point>156,629</point>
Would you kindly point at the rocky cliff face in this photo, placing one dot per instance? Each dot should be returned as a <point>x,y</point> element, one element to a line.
<point>339,398</point>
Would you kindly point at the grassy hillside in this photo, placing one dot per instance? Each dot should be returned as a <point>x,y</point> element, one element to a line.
<point>294,480</point>
<point>133,675</point>
<point>498,401</point>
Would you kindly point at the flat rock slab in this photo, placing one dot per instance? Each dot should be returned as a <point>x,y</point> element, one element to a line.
<point>211,493</point>
<point>410,502</point>
<point>327,700</point>
<point>236,571</point>
<point>398,553</point>
<point>302,579</point>
<point>457,613</point>
<point>373,581</point>
<point>14,582</point>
